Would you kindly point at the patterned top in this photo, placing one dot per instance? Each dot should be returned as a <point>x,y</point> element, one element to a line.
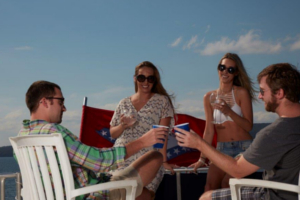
<point>157,108</point>
<point>87,162</point>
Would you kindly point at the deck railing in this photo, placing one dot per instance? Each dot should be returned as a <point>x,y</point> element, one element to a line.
<point>17,176</point>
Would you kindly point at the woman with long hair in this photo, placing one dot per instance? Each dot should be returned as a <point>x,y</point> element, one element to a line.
<point>153,106</point>
<point>228,110</point>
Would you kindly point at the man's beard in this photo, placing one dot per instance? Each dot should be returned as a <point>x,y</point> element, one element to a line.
<point>271,105</point>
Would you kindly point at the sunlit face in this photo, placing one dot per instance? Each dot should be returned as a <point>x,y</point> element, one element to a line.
<point>266,95</point>
<point>145,86</point>
<point>225,76</point>
<point>56,107</point>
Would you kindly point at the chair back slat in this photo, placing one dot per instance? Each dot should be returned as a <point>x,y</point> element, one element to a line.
<point>36,172</point>
<point>56,177</point>
<point>65,166</point>
<point>23,151</point>
<point>45,172</point>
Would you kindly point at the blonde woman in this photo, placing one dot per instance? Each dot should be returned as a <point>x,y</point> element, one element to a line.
<point>231,117</point>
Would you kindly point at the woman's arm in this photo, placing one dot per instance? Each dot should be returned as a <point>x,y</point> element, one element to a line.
<point>209,130</point>
<point>116,131</point>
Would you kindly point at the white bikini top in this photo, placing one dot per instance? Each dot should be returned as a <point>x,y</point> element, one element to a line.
<point>220,118</point>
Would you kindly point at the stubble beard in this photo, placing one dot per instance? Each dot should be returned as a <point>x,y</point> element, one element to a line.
<point>271,105</point>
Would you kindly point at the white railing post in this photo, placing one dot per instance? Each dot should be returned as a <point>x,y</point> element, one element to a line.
<point>17,176</point>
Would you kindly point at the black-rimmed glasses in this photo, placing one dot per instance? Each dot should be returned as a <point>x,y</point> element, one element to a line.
<point>142,78</point>
<point>262,92</point>
<point>230,70</point>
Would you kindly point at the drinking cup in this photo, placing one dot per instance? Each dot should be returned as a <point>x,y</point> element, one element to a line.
<point>159,145</point>
<point>184,126</point>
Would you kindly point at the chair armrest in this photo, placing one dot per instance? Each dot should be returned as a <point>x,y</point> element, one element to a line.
<point>104,186</point>
<point>236,184</point>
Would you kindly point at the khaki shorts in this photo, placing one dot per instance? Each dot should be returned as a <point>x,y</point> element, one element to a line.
<point>129,173</point>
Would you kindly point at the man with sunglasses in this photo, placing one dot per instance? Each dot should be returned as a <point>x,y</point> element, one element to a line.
<point>45,102</point>
<point>276,148</point>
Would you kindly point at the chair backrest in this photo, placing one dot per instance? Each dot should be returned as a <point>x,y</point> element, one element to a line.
<point>40,158</point>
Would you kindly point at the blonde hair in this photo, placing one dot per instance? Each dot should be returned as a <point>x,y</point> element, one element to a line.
<point>157,86</point>
<point>241,79</point>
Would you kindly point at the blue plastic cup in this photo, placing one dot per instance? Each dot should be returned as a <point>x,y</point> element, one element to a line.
<point>159,145</point>
<point>185,126</point>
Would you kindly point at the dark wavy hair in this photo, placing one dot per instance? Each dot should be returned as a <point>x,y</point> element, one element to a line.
<point>283,76</point>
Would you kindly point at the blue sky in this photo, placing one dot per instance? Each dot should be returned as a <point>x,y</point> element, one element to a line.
<point>90,48</point>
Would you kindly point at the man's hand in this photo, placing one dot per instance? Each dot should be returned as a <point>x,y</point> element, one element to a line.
<point>155,135</point>
<point>187,139</point>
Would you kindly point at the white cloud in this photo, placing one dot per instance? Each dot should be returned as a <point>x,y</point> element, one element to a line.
<point>264,117</point>
<point>72,115</point>
<point>249,43</point>
<point>14,115</point>
<point>191,107</point>
<point>192,42</point>
<point>110,106</point>
<point>176,42</point>
<point>207,28</point>
<point>295,45</point>
<point>23,48</point>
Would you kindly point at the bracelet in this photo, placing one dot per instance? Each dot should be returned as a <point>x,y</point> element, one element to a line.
<point>201,161</point>
<point>122,124</point>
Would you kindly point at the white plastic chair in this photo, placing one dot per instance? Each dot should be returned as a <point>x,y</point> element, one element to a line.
<point>236,184</point>
<point>33,152</point>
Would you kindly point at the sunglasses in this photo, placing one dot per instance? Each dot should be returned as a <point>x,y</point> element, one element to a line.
<point>142,78</point>
<point>230,70</point>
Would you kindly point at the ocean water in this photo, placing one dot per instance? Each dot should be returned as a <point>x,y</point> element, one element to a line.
<point>8,165</point>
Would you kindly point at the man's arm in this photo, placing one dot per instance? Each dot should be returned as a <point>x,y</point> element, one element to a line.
<point>237,168</point>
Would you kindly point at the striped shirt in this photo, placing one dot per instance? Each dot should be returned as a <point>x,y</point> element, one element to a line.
<point>89,164</point>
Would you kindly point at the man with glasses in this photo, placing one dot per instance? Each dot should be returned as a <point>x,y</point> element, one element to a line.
<point>45,102</point>
<point>276,148</point>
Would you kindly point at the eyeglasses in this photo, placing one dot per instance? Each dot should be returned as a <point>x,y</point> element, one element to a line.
<point>62,100</point>
<point>262,92</point>
<point>230,70</point>
<point>142,78</point>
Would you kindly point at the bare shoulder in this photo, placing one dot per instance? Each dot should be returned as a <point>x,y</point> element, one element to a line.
<point>240,91</point>
<point>207,95</point>
<point>241,94</point>
<point>206,98</point>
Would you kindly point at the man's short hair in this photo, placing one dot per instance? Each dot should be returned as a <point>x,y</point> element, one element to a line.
<point>283,76</point>
<point>37,91</point>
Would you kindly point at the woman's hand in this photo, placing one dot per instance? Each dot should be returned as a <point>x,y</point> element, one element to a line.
<point>197,165</point>
<point>123,122</point>
<point>223,107</point>
<point>170,167</point>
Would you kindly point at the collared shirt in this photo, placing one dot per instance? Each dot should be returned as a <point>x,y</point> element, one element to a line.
<point>88,163</point>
